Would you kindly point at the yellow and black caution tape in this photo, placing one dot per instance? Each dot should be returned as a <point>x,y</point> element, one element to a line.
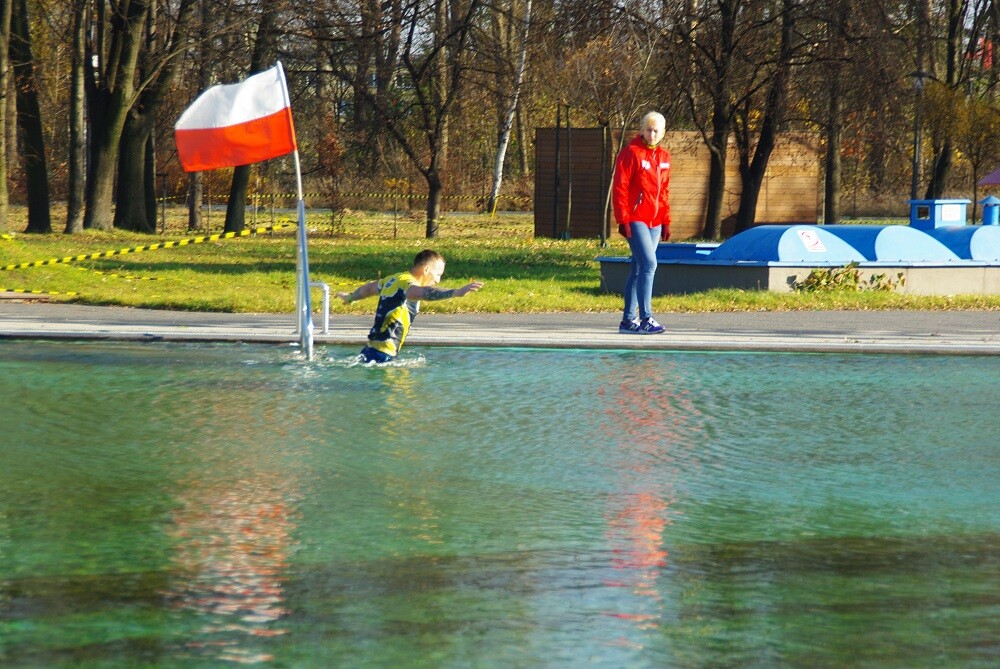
<point>35,292</point>
<point>424,196</point>
<point>397,194</point>
<point>151,247</point>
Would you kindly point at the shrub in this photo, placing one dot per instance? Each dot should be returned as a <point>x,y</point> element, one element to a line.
<point>846,278</point>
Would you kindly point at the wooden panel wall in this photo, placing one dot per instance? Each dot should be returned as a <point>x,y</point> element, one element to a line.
<point>790,193</point>
<point>583,178</point>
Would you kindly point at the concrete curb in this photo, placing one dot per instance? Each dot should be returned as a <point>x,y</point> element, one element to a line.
<point>897,332</point>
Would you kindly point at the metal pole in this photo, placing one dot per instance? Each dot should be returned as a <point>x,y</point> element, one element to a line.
<point>604,188</point>
<point>555,189</point>
<point>569,173</point>
<point>915,179</point>
<point>302,302</point>
<point>302,279</point>
<point>163,201</point>
<point>918,87</point>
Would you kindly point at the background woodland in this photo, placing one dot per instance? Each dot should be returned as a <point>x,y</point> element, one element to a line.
<point>439,99</point>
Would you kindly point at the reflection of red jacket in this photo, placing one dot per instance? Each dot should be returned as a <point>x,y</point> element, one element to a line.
<point>642,187</point>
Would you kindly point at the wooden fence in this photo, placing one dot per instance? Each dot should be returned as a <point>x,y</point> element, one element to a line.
<point>569,201</point>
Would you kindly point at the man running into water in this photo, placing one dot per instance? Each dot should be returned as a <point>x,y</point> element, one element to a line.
<point>399,298</point>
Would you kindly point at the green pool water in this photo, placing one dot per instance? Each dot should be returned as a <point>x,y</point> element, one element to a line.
<point>219,505</point>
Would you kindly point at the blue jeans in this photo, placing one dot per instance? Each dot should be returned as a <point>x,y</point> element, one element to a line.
<point>639,285</point>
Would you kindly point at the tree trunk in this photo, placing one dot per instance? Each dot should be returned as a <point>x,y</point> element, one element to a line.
<point>752,171</point>
<point>132,210</point>
<point>114,96</point>
<point>508,120</point>
<point>196,195</point>
<point>522,155</point>
<point>77,123</point>
<point>940,171</point>
<point>149,180</point>
<point>100,190</point>
<point>718,145</point>
<point>434,190</point>
<point>440,81</point>
<point>5,14</point>
<point>196,181</point>
<point>236,207</point>
<point>136,197</point>
<point>718,150</point>
<point>29,121</point>
<point>834,128</point>
<point>953,52</point>
<point>751,178</point>
<point>838,27</point>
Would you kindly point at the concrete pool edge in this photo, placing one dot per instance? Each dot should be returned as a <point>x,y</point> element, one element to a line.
<point>896,332</point>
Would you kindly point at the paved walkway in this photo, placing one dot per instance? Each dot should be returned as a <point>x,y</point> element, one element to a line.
<point>949,332</point>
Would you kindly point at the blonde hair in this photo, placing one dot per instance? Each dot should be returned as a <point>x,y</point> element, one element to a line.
<point>654,116</point>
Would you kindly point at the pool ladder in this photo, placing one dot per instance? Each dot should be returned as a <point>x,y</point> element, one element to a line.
<point>326,304</point>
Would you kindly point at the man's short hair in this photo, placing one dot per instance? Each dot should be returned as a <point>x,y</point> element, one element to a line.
<point>426,257</point>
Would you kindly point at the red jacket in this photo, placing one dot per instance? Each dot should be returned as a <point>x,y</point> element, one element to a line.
<point>641,187</point>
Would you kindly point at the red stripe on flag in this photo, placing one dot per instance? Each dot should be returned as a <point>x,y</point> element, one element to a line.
<point>241,144</point>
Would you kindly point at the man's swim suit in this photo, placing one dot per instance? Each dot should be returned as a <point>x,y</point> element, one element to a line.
<point>392,318</point>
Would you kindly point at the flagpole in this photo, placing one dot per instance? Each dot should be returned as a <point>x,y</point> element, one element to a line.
<point>302,301</point>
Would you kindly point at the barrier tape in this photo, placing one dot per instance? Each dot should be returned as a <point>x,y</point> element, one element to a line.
<point>416,196</point>
<point>151,247</point>
<point>400,195</point>
<point>34,292</point>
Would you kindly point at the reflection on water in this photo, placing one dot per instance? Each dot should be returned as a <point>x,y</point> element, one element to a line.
<point>233,547</point>
<point>653,425</point>
<point>181,505</point>
<point>233,521</point>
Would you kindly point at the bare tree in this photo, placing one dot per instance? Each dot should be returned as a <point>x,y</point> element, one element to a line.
<point>77,158</point>
<point>360,42</point>
<point>615,81</point>
<point>263,52</point>
<point>397,81</point>
<point>5,14</point>
<point>433,68</point>
<point>114,52</point>
<point>766,100</point>
<point>966,30</point>
<point>507,121</point>
<point>158,66</point>
<point>836,28</point>
<point>196,182</point>
<point>978,136</point>
<point>710,38</point>
<point>29,121</point>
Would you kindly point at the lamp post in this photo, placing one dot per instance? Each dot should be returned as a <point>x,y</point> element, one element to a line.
<point>918,88</point>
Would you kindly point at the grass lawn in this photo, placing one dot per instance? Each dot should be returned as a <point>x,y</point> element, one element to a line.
<point>257,273</point>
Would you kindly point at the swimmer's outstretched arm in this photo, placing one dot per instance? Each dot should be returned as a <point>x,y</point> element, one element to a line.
<point>431,293</point>
<point>369,289</point>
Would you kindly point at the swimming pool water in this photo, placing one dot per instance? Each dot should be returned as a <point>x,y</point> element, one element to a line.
<point>209,505</point>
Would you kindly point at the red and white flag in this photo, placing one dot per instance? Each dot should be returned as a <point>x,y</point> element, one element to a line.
<point>237,124</point>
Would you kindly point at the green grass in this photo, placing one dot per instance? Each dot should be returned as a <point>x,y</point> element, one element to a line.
<point>256,274</point>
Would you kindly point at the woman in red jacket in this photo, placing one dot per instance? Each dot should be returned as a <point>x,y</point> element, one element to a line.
<point>640,193</point>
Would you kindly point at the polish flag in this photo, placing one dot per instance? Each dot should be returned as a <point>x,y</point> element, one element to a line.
<point>237,124</point>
